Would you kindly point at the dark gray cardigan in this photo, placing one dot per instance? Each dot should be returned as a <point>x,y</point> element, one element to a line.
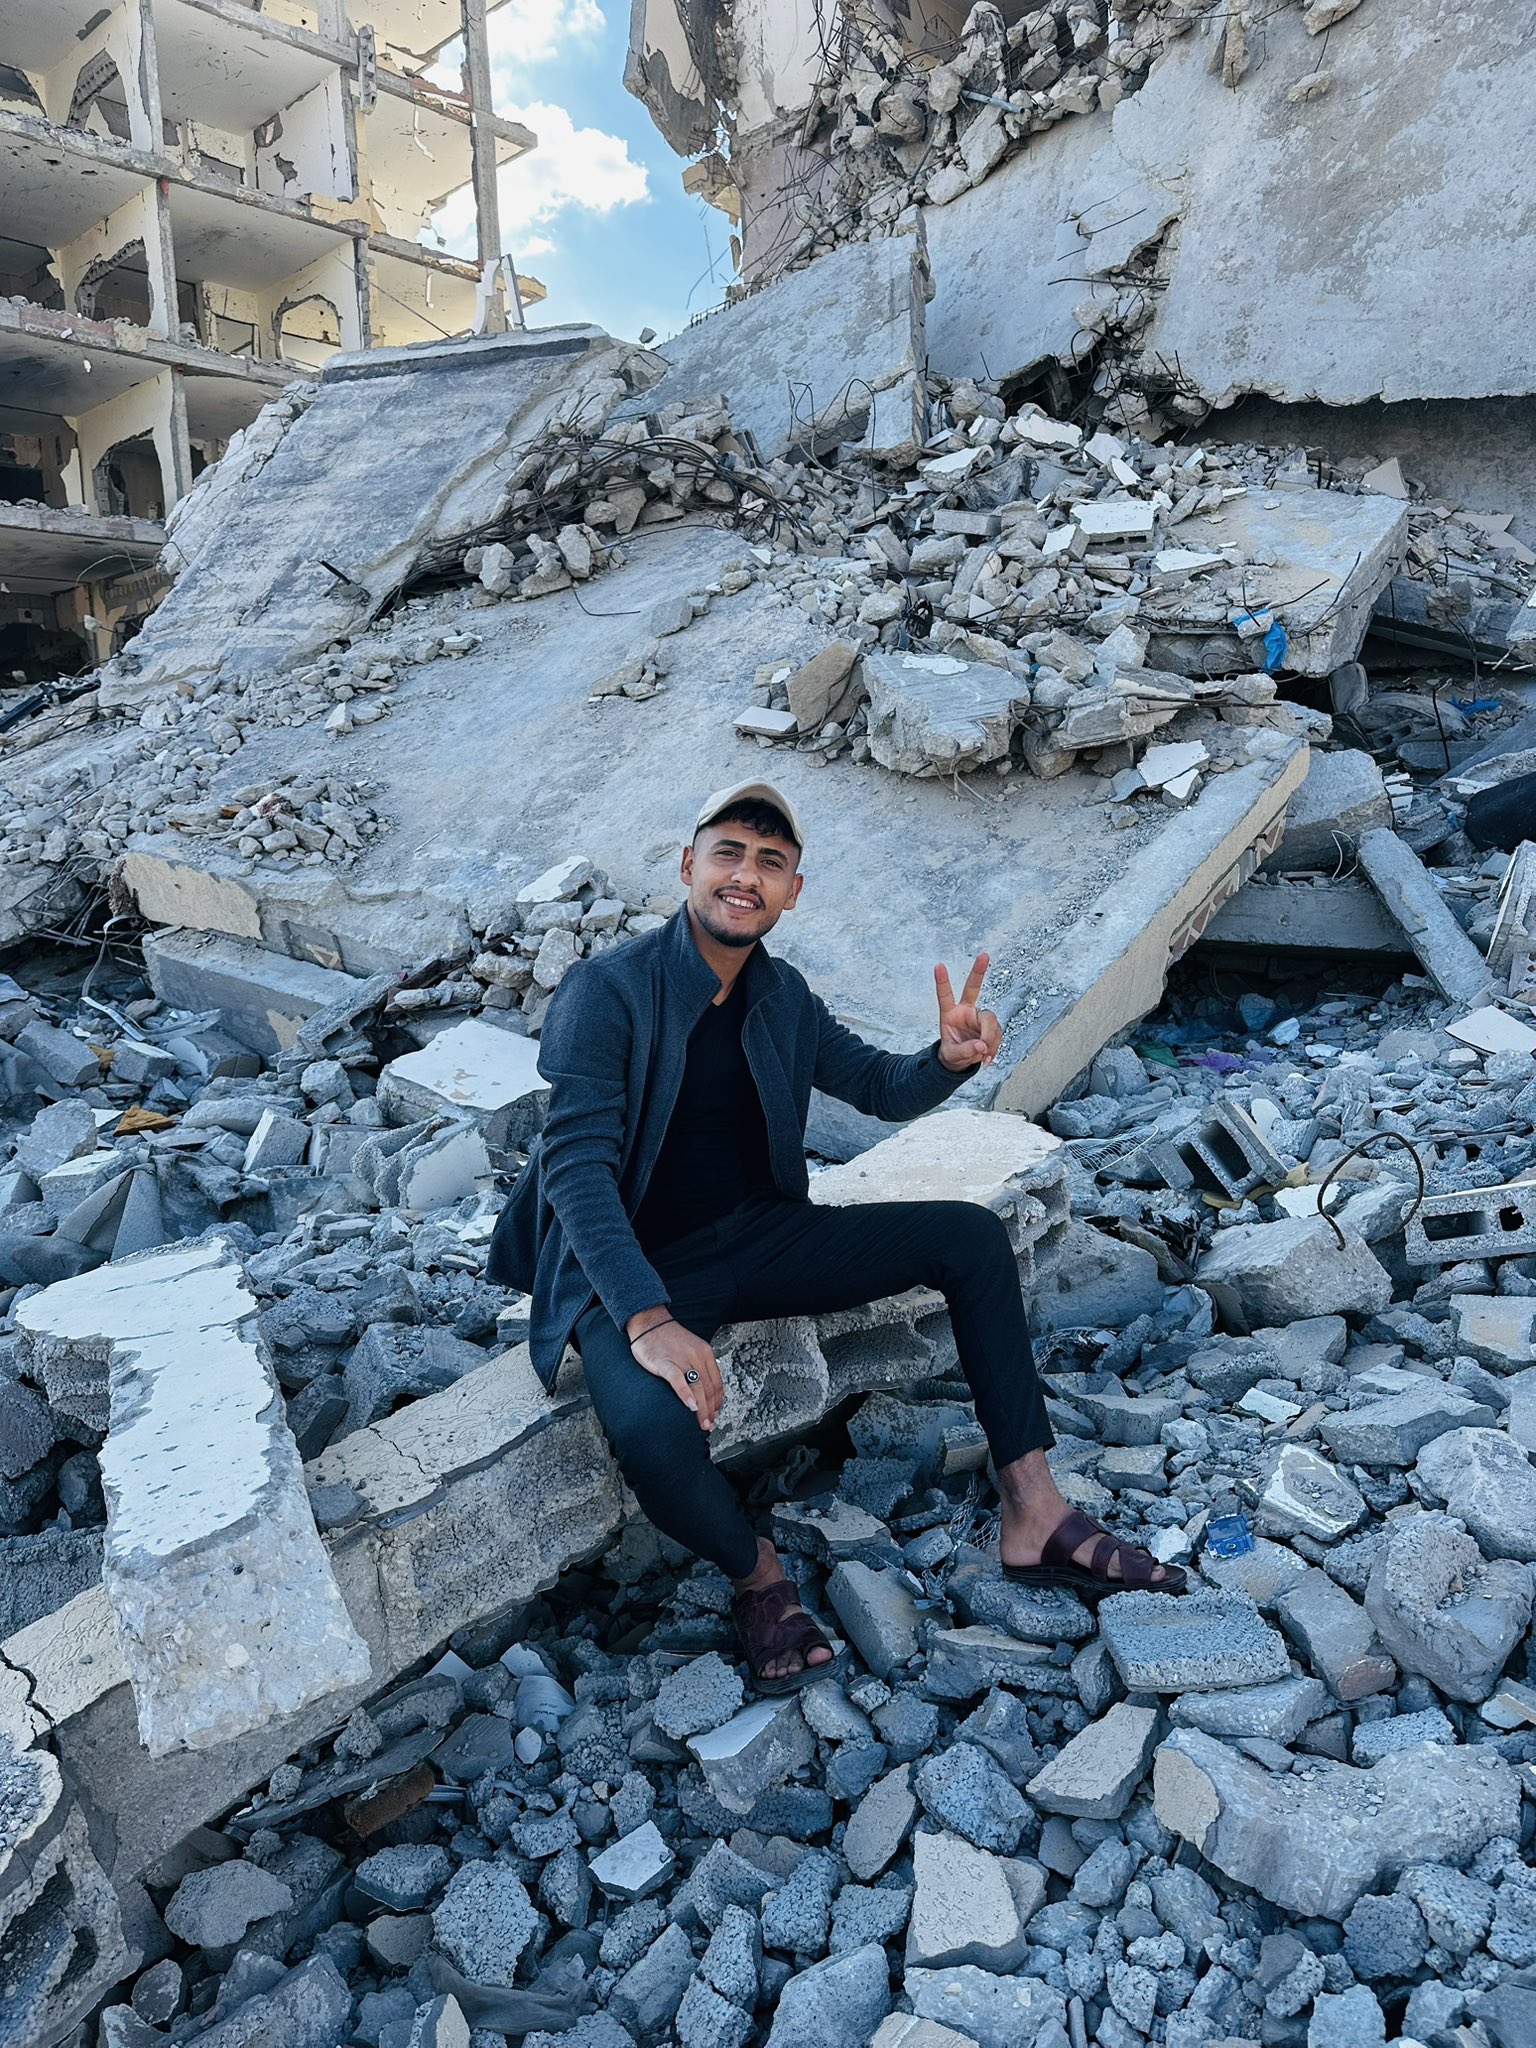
<point>615,1038</point>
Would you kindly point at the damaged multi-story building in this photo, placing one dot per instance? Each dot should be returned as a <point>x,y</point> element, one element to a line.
<point>202,203</point>
<point>1284,223</point>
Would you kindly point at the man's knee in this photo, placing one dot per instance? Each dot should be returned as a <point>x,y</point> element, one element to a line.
<point>971,1240</point>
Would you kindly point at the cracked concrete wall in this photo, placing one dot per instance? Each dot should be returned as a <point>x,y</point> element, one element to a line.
<point>1340,223</point>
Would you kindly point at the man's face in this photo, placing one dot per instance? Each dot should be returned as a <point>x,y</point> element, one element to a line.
<point>740,882</point>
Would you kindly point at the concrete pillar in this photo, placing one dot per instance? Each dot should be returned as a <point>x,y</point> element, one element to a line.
<point>477,80</point>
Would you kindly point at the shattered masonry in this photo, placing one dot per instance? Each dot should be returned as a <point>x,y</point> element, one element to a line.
<point>999,510</point>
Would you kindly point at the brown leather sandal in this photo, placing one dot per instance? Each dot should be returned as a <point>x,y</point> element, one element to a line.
<point>1092,1581</point>
<point>771,1625</point>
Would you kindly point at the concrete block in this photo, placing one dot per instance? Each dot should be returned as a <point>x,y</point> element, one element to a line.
<point>755,1750</point>
<point>1444,1611</point>
<point>963,1662</point>
<point>62,1057</point>
<point>969,1906</point>
<point>1498,1330</point>
<point>471,1069</point>
<point>1095,1775</point>
<point>860,306</point>
<point>1342,798</point>
<point>1336,1637</point>
<point>1445,952</point>
<point>1265,1273</point>
<point>1222,1153</point>
<point>1203,1641</point>
<point>1393,1431</point>
<point>263,997</point>
<point>277,1140</point>
<point>1298,1493</point>
<point>1489,1484</point>
<point>1473,1223</point>
<point>224,1600</point>
<point>934,714</point>
<point>879,1613</point>
<point>1313,1844</point>
<point>834,2004</point>
<point>1514,931</point>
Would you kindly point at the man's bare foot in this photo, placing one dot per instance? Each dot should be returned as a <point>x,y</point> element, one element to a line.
<point>768,1572</point>
<point>1033,1508</point>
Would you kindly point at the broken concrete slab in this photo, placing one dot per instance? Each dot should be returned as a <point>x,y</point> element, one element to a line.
<point>934,714</point>
<point>1006,1163</point>
<point>969,1906</point>
<point>1498,1330</point>
<point>1313,1842</point>
<point>1246,167</point>
<point>61,1925</point>
<point>225,1605</point>
<point>860,307</point>
<point>1011,257</point>
<point>1202,1641</point>
<point>475,1069</point>
<point>262,997</point>
<point>1095,1775</point>
<point>1326,557</point>
<point>1264,1273</point>
<point>1448,956</point>
<point>1343,798</point>
<point>1442,1609</point>
<point>1344,916</point>
<point>1081,923</point>
<point>419,447</point>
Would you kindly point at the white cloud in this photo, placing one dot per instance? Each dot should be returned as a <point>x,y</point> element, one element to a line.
<point>528,32</point>
<point>572,166</point>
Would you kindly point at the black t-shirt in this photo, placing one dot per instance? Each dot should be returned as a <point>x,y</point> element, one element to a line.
<point>715,1153</point>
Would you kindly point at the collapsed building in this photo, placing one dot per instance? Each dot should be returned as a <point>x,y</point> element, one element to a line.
<point>203,204</point>
<point>345,1697</point>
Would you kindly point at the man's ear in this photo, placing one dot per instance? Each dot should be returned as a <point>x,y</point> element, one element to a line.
<point>794,894</point>
<point>685,868</point>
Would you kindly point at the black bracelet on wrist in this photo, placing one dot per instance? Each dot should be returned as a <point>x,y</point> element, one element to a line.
<point>651,1326</point>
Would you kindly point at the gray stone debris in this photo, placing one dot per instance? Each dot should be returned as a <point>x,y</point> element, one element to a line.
<point>224,1600</point>
<point>1314,1841</point>
<point>1201,1642</point>
<point>1443,1610</point>
<point>1096,1774</point>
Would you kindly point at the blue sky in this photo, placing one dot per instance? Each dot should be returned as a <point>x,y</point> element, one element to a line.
<point>597,212</point>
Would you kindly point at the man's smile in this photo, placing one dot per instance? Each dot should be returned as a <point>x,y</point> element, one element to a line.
<point>735,899</point>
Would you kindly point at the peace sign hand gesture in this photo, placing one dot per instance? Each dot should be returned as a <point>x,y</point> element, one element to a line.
<point>968,1037</point>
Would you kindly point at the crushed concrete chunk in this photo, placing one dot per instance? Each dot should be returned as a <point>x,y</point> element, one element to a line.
<point>224,1599</point>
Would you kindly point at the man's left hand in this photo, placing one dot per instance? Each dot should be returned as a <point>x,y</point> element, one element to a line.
<point>968,1037</point>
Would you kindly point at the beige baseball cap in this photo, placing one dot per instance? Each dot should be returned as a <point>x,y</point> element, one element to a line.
<point>739,792</point>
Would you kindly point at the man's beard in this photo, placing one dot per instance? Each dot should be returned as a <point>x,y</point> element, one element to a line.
<point>723,933</point>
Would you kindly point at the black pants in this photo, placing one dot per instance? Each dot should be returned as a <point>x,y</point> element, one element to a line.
<point>773,1258</point>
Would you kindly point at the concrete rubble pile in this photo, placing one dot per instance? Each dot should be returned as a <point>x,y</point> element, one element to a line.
<point>525,1793</point>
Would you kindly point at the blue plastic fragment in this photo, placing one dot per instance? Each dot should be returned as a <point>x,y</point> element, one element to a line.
<point>1228,1536</point>
<point>1275,645</point>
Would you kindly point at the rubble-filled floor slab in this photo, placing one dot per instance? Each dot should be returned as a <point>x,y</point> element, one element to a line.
<point>899,873</point>
<point>225,1606</point>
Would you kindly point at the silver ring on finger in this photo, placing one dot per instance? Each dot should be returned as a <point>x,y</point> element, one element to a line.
<point>692,1378</point>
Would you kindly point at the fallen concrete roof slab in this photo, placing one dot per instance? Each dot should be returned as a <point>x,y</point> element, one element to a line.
<point>418,451</point>
<point>1015,257</point>
<point>225,1606</point>
<point>830,353</point>
<point>461,1504</point>
<point>1327,558</point>
<point>497,764</point>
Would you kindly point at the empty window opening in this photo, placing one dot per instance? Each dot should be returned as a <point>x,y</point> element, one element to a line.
<point>128,480</point>
<point>99,104</point>
<point>116,287</point>
<point>308,331</point>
